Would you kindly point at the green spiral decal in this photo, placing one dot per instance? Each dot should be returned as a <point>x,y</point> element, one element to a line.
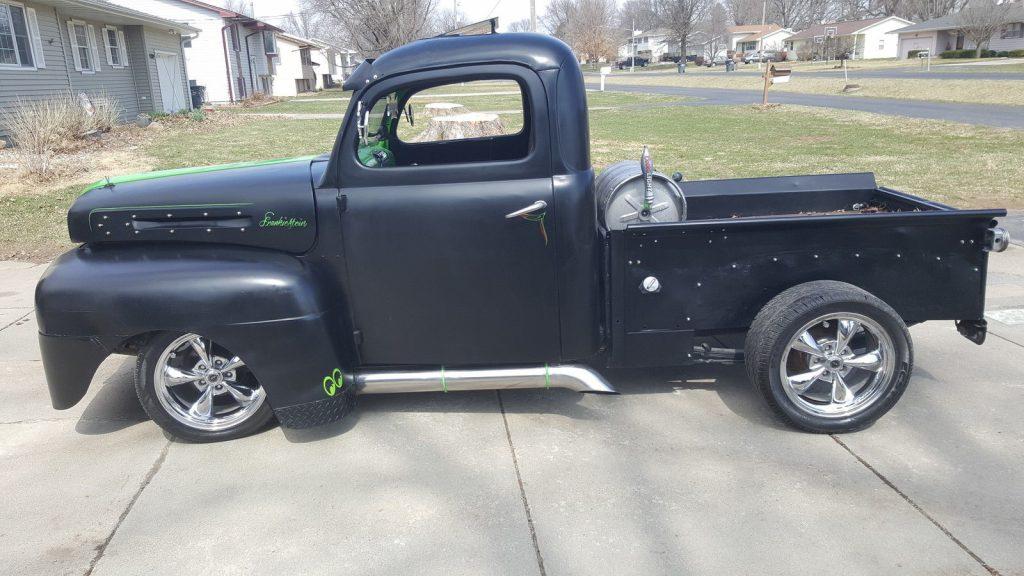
<point>334,382</point>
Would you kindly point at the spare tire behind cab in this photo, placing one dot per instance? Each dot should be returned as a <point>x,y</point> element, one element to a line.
<point>620,193</point>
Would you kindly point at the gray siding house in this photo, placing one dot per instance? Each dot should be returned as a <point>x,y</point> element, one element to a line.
<point>943,34</point>
<point>92,46</point>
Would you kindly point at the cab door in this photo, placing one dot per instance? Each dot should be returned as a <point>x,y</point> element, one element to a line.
<point>449,240</point>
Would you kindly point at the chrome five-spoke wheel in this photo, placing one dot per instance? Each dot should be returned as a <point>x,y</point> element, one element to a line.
<point>828,356</point>
<point>197,389</point>
<point>837,365</point>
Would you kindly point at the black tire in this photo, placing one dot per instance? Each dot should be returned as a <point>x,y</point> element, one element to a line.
<point>145,367</point>
<point>778,322</point>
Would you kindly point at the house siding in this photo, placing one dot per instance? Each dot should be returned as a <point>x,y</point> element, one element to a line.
<point>28,84</point>
<point>204,60</point>
<point>118,83</point>
<point>138,61</point>
<point>135,86</point>
<point>157,40</point>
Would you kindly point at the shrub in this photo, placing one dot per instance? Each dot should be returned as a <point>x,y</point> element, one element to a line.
<point>197,115</point>
<point>40,128</point>
<point>107,112</point>
<point>968,53</point>
<point>1015,53</point>
<point>1002,54</point>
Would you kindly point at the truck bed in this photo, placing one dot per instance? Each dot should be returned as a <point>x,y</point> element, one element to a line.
<point>747,240</point>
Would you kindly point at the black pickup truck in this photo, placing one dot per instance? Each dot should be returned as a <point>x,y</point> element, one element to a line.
<point>283,289</point>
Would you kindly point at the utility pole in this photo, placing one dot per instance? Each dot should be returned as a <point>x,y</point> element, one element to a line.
<point>632,44</point>
<point>760,40</point>
<point>533,15</point>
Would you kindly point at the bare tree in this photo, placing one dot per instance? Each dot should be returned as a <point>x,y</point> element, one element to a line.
<point>588,26</point>
<point>448,20</point>
<point>921,10</point>
<point>519,26</point>
<point>744,12</point>
<point>371,27</point>
<point>980,19</point>
<point>787,13</point>
<point>681,17</point>
<point>713,30</point>
<point>640,14</point>
<point>240,6</point>
<point>304,23</point>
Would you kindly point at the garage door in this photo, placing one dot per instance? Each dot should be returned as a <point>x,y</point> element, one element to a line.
<point>172,88</point>
<point>909,44</point>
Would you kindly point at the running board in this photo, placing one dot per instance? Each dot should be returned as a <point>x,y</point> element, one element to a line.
<point>569,376</point>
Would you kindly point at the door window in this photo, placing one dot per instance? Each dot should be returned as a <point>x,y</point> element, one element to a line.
<point>457,122</point>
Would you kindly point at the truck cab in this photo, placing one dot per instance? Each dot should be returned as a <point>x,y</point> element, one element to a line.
<point>412,258</point>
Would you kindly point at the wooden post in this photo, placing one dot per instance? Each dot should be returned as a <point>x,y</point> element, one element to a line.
<point>767,82</point>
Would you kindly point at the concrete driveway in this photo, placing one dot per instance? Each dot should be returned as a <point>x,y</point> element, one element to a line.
<point>684,473</point>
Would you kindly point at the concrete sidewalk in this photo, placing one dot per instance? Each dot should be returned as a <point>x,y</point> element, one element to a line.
<point>684,473</point>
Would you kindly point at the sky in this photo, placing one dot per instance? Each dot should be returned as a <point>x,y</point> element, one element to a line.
<point>507,11</point>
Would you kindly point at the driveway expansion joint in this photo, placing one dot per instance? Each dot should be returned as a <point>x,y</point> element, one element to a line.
<point>522,490</point>
<point>1004,338</point>
<point>102,548</point>
<point>917,507</point>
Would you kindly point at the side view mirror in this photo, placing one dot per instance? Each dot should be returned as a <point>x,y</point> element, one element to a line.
<point>409,116</point>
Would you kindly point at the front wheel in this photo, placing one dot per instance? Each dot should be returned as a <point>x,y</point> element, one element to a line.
<point>197,390</point>
<point>829,357</point>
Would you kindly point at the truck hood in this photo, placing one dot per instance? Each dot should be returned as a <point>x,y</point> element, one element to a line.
<point>268,204</point>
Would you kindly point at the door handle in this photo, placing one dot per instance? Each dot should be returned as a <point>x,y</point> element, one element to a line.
<point>538,205</point>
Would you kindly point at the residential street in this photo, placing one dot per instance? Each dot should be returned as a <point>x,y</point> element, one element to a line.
<point>1000,116</point>
<point>684,473</point>
<point>950,73</point>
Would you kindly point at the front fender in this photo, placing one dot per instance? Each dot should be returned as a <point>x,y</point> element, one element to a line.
<point>275,311</point>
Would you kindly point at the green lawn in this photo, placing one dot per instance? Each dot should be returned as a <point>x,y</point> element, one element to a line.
<point>962,165</point>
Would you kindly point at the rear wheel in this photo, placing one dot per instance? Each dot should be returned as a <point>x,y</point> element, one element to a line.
<point>829,357</point>
<point>197,390</point>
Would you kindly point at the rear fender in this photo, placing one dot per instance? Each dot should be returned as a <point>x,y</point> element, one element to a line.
<point>271,309</point>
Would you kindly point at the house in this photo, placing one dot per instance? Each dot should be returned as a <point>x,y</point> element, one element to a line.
<point>756,37</point>
<point>340,63</point>
<point>653,45</point>
<point>296,66</point>
<point>860,39</point>
<point>232,56</point>
<point>941,34</point>
<point>89,46</point>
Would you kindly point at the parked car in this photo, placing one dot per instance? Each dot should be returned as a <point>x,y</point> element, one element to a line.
<point>716,61</point>
<point>282,289</point>
<point>632,62</point>
<point>763,56</point>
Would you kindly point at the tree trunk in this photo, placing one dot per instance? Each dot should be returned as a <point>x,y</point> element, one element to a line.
<point>977,51</point>
<point>443,109</point>
<point>461,126</point>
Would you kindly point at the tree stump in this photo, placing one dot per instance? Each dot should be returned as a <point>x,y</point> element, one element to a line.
<point>462,126</point>
<point>443,109</point>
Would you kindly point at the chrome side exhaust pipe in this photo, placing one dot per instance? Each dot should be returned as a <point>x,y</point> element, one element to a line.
<point>569,376</point>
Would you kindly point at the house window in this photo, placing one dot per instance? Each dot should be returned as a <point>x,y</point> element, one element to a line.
<point>269,43</point>
<point>117,51</point>
<point>83,46</point>
<point>1014,30</point>
<point>304,55</point>
<point>881,44</point>
<point>15,43</point>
